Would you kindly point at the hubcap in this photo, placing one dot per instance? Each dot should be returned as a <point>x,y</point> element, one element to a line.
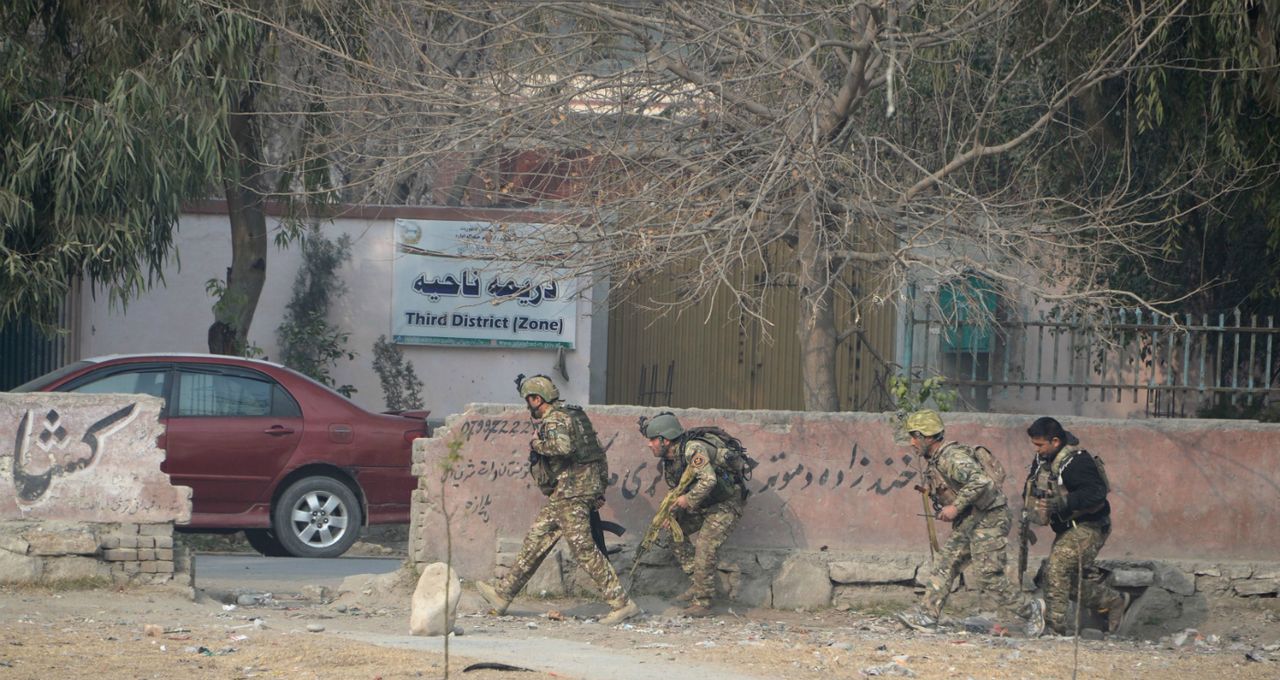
<point>319,519</point>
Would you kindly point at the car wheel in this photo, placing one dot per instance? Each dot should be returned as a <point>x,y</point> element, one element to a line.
<point>317,517</point>
<point>265,542</point>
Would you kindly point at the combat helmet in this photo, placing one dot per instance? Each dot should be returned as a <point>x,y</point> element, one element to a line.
<point>540,385</point>
<point>927,422</point>
<point>663,425</point>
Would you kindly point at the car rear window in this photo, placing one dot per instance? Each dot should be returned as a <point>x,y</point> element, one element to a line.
<point>38,384</point>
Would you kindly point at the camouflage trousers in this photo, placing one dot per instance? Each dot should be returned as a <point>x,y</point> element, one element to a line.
<point>705,531</point>
<point>981,539</point>
<point>571,518</point>
<point>1073,548</point>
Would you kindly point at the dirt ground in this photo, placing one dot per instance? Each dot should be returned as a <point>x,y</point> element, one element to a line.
<point>163,633</point>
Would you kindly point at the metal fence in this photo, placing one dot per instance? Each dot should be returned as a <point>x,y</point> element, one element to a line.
<point>1173,367</point>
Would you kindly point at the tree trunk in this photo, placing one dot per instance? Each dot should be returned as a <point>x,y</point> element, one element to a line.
<point>233,314</point>
<point>817,322</point>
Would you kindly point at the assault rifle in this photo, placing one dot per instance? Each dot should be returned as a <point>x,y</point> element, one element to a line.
<point>1027,537</point>
<point>928,520</point>
<point>663,518</point>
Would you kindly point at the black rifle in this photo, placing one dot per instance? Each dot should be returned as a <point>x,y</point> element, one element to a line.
<point>599,526</point>
<point>1027,537</point>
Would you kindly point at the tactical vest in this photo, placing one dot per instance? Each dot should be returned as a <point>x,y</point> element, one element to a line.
<point>943,493</point>
<point>1047,483</point>
<point>546,470</point>
<point>586,445</point>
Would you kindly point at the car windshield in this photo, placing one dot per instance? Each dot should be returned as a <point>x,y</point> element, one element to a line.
<point>40,383</point>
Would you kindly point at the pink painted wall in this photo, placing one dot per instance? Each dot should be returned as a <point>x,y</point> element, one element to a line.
<point>839,482</point>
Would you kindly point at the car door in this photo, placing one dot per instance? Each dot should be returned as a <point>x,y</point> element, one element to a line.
<point>231,431</point>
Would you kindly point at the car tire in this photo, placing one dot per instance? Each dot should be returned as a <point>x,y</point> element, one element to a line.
<point>265,542</point>
<point>317,517</point>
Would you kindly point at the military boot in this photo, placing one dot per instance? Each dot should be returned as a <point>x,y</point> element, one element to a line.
<point>1035,618</point>
<point>622,613</point>
<point>918,620</point>
<point>1115,612</point>
<point>696,610</point>
<point>686,596</point>
<point>495,599</point>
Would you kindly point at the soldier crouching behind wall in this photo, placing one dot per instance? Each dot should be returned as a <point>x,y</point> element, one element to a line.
<point>711,504</point>
<point>1070,491</point>
<point>570,467</point>
<point>967,496</point>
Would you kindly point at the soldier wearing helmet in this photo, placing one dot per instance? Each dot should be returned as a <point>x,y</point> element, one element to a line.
<point>576,474</point>
<point>964,493</point>
<point>708,510</point>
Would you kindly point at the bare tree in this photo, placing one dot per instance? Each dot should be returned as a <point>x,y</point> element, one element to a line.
<point>957,137</point>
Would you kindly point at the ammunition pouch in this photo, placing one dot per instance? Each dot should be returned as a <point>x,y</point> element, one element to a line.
<point>542,473</point>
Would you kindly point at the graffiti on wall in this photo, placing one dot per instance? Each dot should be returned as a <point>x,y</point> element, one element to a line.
<point>862,472</point>
<point>47,449</point>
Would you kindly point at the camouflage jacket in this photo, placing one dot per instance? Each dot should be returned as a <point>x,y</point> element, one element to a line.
<point>701,456</point>
<point>577,460</point>
<point>957,478</point>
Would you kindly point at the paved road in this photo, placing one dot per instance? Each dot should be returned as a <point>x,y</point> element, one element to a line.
<point>283,574</point>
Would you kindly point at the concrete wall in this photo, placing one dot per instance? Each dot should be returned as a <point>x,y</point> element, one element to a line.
<point>838,484</point>
<point>175,317</point>
<point>81,491</point>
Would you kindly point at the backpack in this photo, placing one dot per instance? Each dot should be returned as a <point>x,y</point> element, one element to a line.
<point>991,465</point>
<point>731,460</point>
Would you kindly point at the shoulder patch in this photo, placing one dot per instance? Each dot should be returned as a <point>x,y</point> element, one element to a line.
<point>698,460</point>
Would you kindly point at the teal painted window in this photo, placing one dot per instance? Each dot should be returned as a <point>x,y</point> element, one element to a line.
<point>968,312</point>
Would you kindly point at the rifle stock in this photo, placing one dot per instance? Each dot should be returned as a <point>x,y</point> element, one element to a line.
<point>928,520</point>
<point>662,518</point>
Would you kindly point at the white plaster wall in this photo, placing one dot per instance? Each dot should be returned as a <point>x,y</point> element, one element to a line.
<point>175,317</point>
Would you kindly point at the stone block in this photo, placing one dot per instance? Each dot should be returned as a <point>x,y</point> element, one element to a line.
<point>163,566</point>
<point>110,542</point>
<point>120,555</point>
<point>549,579</point>
<point>1267,572</point>
<point>15,568</point>
<point>1132,578</point>
<point>147,542</point>
<point>1173,579</point>
<point>1253,587</point>
<point>145,554</point>
<point>74,568</point>
<point>164,541</point>
<point>132,568</point>
<point>157,529</point>
<point>165,554</point>
<point>803,582</point>
<point>1238,571</point>
<point>509,545</point>
<point>1212,584</point>
<point>14,544</point>
<point>62,541</point>
<point>1159,612</point>
<point>149,567</point>
<point>129,541</point>
<point>897,570</point>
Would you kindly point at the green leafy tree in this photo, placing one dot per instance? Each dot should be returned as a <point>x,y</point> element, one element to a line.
<point>111,115</point>
<point>400,382</point>
<point>309,343</point>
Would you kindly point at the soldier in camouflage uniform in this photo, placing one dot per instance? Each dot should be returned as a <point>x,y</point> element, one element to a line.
<point>1070,492</point>
<point>966,495</point>
<point>708,510</point>
<point>570,467</point>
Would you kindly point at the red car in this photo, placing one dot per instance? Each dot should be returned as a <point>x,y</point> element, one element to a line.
<point>297,466</point>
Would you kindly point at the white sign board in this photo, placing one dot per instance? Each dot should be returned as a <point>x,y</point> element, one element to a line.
<point>445,293</point>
